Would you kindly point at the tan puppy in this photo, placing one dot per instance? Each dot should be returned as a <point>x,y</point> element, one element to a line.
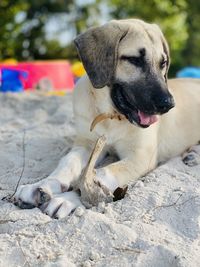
<point>127,63</point>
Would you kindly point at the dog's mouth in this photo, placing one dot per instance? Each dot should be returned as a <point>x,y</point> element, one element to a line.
<point>135,115</point>
<point>146,120</point>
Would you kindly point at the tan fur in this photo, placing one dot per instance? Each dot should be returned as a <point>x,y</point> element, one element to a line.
<point>139,150</point>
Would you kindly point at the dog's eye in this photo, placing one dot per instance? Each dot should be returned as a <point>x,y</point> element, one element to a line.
<point>163,64</point>
<point>137,61</point>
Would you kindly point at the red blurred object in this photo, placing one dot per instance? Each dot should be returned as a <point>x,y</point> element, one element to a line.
<point>57,72</point>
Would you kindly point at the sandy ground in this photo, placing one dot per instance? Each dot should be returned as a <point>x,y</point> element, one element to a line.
<point>157,224</point>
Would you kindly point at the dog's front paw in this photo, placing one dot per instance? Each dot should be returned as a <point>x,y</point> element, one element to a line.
<point>34,195</point>
<point>61,205</point>
<point>192,156</point>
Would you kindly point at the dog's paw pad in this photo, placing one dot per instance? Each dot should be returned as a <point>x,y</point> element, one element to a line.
<point>191,159</point>
<point>119,193</point>
<point>43,196</point>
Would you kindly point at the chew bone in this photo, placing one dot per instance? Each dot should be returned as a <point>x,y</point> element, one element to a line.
<point>92,192</point>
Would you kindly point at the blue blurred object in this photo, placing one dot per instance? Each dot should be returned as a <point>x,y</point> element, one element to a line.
<point>192,72</point>
<point>10,80</point>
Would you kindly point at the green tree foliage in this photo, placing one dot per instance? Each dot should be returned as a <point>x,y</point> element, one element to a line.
<point>23,25</point>
<point>191,50</point>
<point>9,29</point>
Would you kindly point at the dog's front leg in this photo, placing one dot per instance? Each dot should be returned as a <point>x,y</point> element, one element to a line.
<point>128,169</point>
<point>48,194</point>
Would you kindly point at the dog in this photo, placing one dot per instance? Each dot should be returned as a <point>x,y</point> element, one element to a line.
<point>126,62</point>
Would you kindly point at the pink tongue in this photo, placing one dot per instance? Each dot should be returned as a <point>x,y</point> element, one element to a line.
<point>147,119</point>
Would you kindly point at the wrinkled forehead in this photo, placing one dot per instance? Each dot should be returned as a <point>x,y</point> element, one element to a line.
<point>140,37</point>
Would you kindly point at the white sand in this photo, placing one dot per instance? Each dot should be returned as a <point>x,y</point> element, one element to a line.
<point>156,224</point>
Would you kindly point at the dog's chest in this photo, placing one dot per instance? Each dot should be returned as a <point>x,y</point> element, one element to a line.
<point>114,130</point>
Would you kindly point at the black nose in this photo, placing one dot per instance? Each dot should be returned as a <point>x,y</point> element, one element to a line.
<point>165,104</point>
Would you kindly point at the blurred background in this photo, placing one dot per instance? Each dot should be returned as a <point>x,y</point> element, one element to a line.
<point>44,30</point>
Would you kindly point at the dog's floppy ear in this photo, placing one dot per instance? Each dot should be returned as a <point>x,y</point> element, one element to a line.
<point>97,49</point>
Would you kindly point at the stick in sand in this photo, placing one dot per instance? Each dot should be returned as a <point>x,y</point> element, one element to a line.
<point>92,192</point>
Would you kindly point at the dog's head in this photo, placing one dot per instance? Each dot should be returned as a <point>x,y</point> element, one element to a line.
<point>131,57</point>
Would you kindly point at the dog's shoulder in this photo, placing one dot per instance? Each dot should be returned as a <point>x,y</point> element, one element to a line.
<point>83,106</point>
<point>82,96</point>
